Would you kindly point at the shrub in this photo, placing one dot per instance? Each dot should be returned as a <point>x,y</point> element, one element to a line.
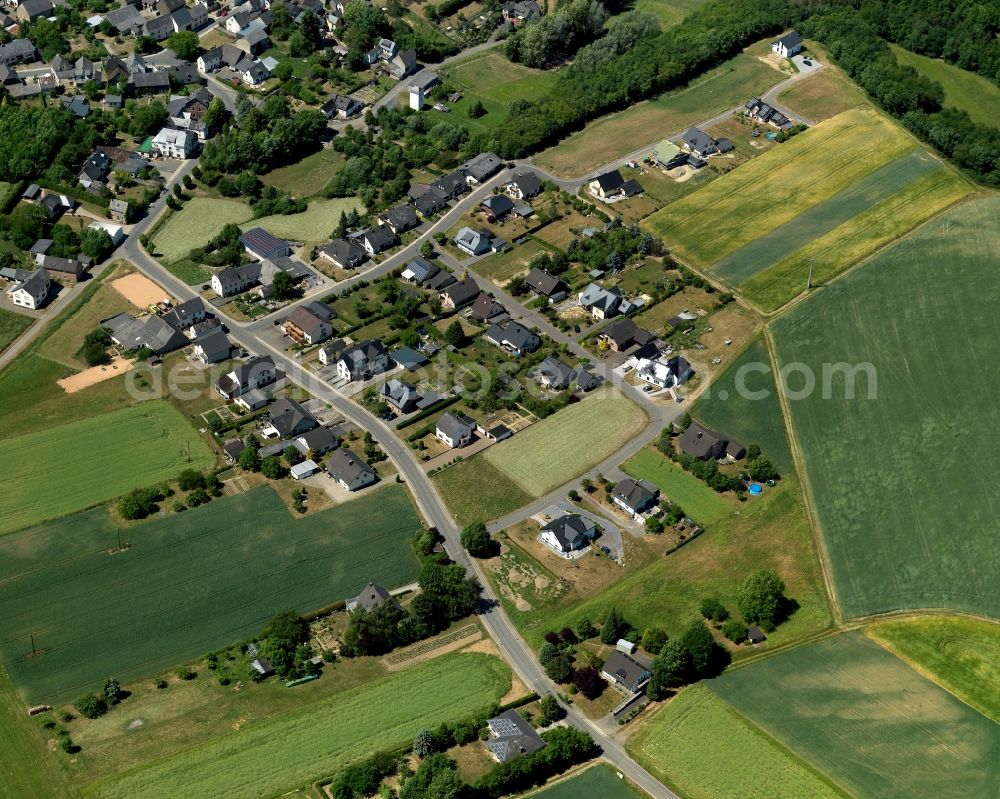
<point>713,609</point>
<point>91,706</point>
<point>735,631</point>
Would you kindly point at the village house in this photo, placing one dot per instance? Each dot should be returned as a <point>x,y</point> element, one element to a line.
<point>486,309</point>
<point>371,596</point>
<point>287,419</point>
<point>402,396</point>
<point>513,337</point>
<point>213,347</point>
<point>482,168</point>
<point>309,323</point>
<point>704,444</point>
<point>171,143</point>
<point>363,361</point>
<point>496,207</point>
<point>349,470</point>
<point>32,292</point>
<point>521,11</point>
<point>254,374</point>
<point>455,429</point>
<point>510,737</point>
<point>459,294</point>
<point>316,442</point>
<point>378,239</point>
<point>329,353</point>
<point>343,254</point>
<point>149,332</point>
<point>623,335</point>
<point>569,532</point>
<point>625,672</point>
<point>788,45</point>
<point>664,374</point>
<point>602,303</point>
<point>759,111</point>
<point>400,219</point>
<point>701,145</point>
<point>186,314</point>
<point>635,497</point>
<point>419,270</point>
<point>524,185</point>
<point>545,285</point>
<point>340,106</point>
<point>473,242</point>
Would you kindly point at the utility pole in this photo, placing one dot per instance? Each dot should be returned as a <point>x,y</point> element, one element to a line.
<point>33,652</point>
<point>809,282</point>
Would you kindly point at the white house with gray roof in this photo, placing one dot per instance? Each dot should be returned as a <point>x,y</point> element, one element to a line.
<point>513,337</point>
<point>32,292</point>
<point>455,429</point>
<point>364,360</point>
<point>569,532</point>
<point>511,736</point>
<point>349,470</point>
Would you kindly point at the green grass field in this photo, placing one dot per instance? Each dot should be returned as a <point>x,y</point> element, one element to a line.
<point>868,721</point>
<point>7,191</point>
<point>825,94</point>
<point>979,97</point>
<point>962,654</point>
<point>780,185</point>
<point>76,465</point>
<point>12,325</point>
<point>308,176</point>
<point>540,458</point>
<point>768,532</point>
<point>27,768</point>
<point>188,583</point>
<point>199,220</point>
<point>698,500</point>
<point>597,781</point>
<point>902,483</point>
<point>269,758</point>
<point>316,223</point>
<point>491,76</point>
<point>615,135</point>
<point>555,450</point>
<point>743,402</point>
<point>704,750</point>
<point>849,243</point>
<point>669,12</point>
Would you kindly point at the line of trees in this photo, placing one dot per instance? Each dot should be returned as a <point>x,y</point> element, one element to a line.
<point>557,35</point>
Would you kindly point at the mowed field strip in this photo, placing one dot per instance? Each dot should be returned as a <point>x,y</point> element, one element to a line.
<point>780,185</point>
<point>902,474</point>
<point>200,220</point>
<point>698,500</point>
<point>540,458</point>
<point>73,466</point>
<point>819,220</point>
<point>683,742</point>
<point>266,759</point>
<point>868,721</point>
<point>187,584</point>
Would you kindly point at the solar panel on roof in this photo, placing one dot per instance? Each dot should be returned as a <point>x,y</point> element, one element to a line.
<point>505,728</point>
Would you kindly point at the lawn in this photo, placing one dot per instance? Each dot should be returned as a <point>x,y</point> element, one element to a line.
<point>76,465</point>
<point>493,77</point>
<point>824,94</point>
<point>596,781</point>
<point>270,758</point>
<point>768,532</point>
<point>475,490</point>
<point>7,191</point>
<point>557,449</point>
<point>187,584</point>
<point>962,654</point>
<point>901,475</point>
<point>502,267</point>
<point>830,254</point>
<point>703,749</point>
<point>771,190</point>
<point>12,325</point>
<point>868,721</point>
<point>743,402</point>
<point>195,224</point>
<point>616,135</point>
<point>316,223</point>
<point>698,500</point>
<point>308,176</point>
<point>979,97</point>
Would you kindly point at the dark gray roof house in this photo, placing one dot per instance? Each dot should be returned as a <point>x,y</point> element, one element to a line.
<point>430,201</point>
<point>625,671</point>
<point>702,443</point>
<point>400,219</point>
<point>610,181</point>
<point>451,185</point>
<point>349,470</point>
<point>460,293</point>
<point>317,441</point>
<point>624,333</point>
<point>345,254</point>
<point>371,596</point>
<point>378,239</point>
<point>514,337</point>
<point>554,373</point>
<point>147,331</point>
<point>497,206</point>
<point>288,418</point>
<point>482,167</point>
<point>635,496</point>
<point>214,347</point>
<point>511,736</point>
<point>151,82</point>
<point>525,185</point>
<point>541,282</point>
<point>185,314</point>
<point>486,308</point>
<point>568,532</point>
<point>755,636</point>
<point>401,395</point>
